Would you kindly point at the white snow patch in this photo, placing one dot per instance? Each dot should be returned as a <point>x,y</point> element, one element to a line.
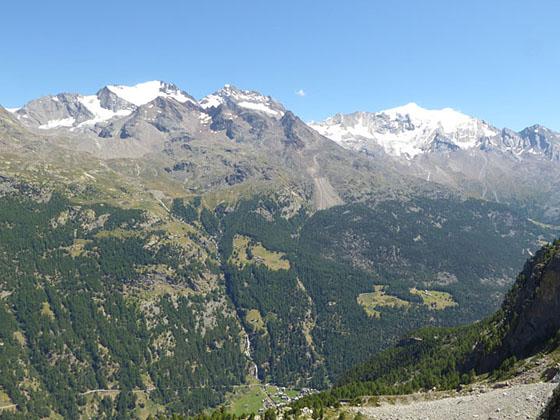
<point>204,118</point>
<point>259,107</point>
<point>143,93</point>
<point>93,104</point>
<point>65,122</point>
<point>12,110</point>
<point>211,101</point>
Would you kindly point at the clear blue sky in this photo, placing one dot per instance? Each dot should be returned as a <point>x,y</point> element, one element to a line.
<point>495,59</point>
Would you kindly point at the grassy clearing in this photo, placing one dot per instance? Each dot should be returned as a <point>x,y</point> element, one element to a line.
<point>118,233</point>
<point>379,299</point>
<point>273,260</point>
<point>46,310</point>
<point>246,252</point>
<point>254,319</point>
<point>4,399</point>
<point>434,299</point>
<point>77,248</point>
<point>179,233</point>
<point>20,338</point>
<point>156,290</point>
<point>146,408</point>
<point>245,400</point>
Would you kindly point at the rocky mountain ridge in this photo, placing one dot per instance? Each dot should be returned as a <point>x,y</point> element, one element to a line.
<point>405,132</point>
<point>75,111</point>
<point>409,131</point>
<point>113,102</point>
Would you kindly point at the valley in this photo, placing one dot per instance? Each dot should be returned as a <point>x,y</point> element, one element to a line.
<point>249,210</point>
<point>167,255</point>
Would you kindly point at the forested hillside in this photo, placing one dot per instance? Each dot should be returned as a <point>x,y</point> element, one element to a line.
<point>112,311</point>
<point>324,304</point>
<point>526,323</point>
<point>96,298</point>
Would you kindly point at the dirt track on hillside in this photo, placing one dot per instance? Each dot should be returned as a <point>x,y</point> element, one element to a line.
<point>516,402</point>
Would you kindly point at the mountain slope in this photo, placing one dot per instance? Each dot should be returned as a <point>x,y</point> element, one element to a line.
<point>159,262</point>
<point>366,274</point>
<point>526,323</point>
<point>96,299</point>
<point>230,138</point>
<point>409,148</point>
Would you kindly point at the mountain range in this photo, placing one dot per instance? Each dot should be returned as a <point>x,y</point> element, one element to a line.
<point>410,130</point>
<point>405,131</point>
<point>168,250</point>
<point>464,154</point>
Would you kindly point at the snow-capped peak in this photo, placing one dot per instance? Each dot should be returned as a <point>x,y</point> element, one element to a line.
<point>406,131</point>
<point>211,101</point>
<point>409,108</point>
<point>75,111</point>
<point>447,118</point>
<point>142,93</point>
<point>244,99</point>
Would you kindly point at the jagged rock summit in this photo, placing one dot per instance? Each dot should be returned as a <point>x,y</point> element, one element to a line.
<point>235,98</point>
<point>406,132</point>
<point>78,112</point>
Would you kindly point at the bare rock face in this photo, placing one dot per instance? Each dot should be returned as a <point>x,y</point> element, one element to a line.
<point>109,100</point>
<point>62,110</point>
<point>290,125</point>
<point>542,139</point>
<point>536,309</point>
<point>530,315</point>
<point>552,409</point>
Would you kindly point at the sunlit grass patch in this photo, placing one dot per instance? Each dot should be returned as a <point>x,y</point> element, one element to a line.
<point>254,319</point>
<point>434,299</point>
<point>378,299</point>
<point>246,251</point>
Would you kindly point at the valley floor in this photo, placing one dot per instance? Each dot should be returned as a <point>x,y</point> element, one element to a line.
<point>523,401</point>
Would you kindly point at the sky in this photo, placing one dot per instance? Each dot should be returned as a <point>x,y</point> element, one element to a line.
<point>495,59</point>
